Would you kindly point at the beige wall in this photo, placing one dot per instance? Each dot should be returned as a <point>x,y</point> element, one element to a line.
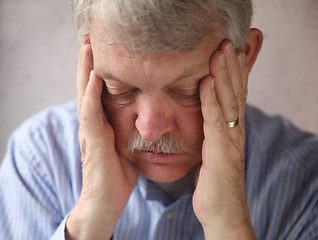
<point>285,77</point>
<point>38,58</point>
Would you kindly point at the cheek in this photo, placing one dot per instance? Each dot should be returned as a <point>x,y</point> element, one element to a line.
<point>122,120</point>
<point>190,127</point>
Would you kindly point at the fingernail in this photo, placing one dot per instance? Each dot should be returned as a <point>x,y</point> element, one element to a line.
<point>91,75</point>
<point>212,83</point>
<point>85,41</point>
<point>230,49</point>
<point>222,60</point>
<point>242,59</point>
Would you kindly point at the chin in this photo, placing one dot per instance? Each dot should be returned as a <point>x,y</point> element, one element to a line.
<point>164,173</point>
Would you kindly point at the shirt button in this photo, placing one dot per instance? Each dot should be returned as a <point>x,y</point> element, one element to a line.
<point>169,215</point>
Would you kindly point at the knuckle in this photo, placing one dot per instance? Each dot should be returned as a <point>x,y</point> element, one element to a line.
<point>227,82</point>
<point>219,122</point>
<point>234,108</point>
<point>81,136</point>
<point>236,142</point>
<point>83,120</point>
<point>242,95</point>
<point>246,92</point>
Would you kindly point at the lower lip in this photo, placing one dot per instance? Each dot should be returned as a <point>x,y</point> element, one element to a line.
<point>160,157</point>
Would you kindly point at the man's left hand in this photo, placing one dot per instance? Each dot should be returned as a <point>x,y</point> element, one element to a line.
<point>219,199</point>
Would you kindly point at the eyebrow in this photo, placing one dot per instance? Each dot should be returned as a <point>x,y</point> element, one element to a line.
<point>186,74</point>
<point>107,75</point>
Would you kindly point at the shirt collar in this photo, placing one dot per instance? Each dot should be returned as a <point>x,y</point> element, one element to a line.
<point>151,191</point>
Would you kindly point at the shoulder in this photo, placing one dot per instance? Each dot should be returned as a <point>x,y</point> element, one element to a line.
<point>281,175</point>
<point>53,117</point>
<point>48,122</point>
<point>48,130</point>
<point>275,135</point>
<point>48,135</point>
<point>46,146</point>
<point>42,169</point>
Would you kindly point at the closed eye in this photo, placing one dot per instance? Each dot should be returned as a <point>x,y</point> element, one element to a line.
<point>122,97</point>
<point>186,97</point>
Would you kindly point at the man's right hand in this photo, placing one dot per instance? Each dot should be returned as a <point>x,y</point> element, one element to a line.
<point>108,178</point>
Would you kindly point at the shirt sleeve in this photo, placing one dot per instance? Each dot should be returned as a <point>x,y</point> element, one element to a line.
<point>27,203</point>
<point>59,233</point>
<point>37,188</point>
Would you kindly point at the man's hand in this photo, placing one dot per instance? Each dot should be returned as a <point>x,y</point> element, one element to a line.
<point>108,178</point>
<point>219,199</point>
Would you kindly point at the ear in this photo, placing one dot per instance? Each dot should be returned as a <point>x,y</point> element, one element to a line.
<point>253,44</point>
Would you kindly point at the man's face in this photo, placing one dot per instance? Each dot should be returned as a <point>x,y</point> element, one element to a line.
<point>155,95</point>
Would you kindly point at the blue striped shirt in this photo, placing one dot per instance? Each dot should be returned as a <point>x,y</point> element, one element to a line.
<point>40,182</point>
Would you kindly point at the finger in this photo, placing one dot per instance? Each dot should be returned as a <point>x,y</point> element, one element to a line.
<point>223,87</point>
<point>242,96</point>
<point>214,126</point>
<point>217,136</point>
<point>233,67</point>
<point>238,75</point>
<point>85,65</point>
<point>92,113</point>
<point>244,69</point>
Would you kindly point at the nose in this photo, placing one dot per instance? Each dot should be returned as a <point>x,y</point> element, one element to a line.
<point>154,119</point>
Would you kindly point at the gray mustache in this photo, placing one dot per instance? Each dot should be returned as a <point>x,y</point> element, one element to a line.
<point>166,144</point>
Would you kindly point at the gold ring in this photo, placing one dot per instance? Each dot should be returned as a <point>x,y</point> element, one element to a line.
<point>232,124</point>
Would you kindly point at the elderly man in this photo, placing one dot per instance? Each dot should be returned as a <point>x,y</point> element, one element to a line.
<point>167,147</point>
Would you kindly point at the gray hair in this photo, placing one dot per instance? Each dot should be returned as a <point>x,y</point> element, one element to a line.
<point>165,25</point>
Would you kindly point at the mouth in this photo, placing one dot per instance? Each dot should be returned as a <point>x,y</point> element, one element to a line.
<point>155,156</point>
<point>155,151</point>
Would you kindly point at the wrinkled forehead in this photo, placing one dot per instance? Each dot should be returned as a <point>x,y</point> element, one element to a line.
<point>112,61</point>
